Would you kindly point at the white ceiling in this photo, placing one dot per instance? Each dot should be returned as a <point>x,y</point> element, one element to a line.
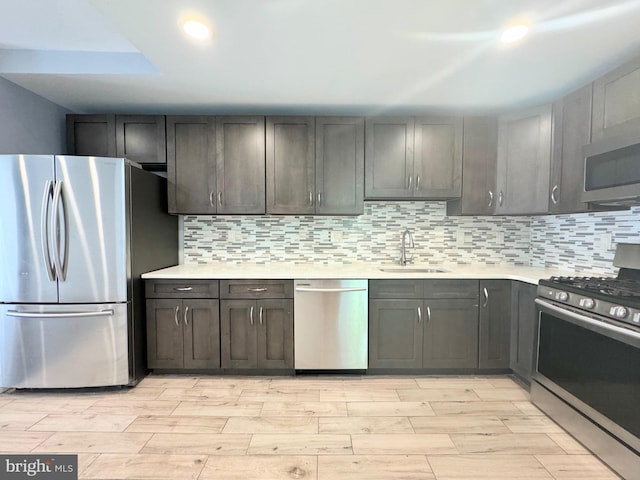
<point>310,56</point>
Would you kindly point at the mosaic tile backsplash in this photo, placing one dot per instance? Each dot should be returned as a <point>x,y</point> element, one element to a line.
<point>581,241</point>
<point>372,237</point>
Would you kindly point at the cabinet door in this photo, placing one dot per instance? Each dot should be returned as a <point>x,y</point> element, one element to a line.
<point>572,131</point>
<point>616,102</point>
<point>524,158</point>
<point>91,135</point>
<point>389,154</point>
<point>191,164</point>
<point>396,289</point>
<point>164,333</point>
<point>201,333</point>
<point>437,163</point>
<point>523,329</point>
<point>340,165</point>
<point>450,334</point>
<point>238,334</point>
<point>141,138</point>
<point>240,164</point>
<point>395,333</point>
<point>291,166</point>
<point>479,160</point>
<point>275,334</point>
<point>495,324</point>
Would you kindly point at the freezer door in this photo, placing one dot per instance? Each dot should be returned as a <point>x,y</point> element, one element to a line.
<point>64,346</point>
<point>90,213</point>
<point>26,266</point>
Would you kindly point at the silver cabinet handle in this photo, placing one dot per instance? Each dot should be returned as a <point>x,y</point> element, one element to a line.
<point>220,198</point>
<point>183,289</point>
<point>251,315</point>
<point>310,197</point>
<point>554,198</point>
<point>319,198</point>
<point>409,182</point>
<point>212,202</point>
<point>419,315</point>
<point>490,204</point>
<point>500,198</point>
<point>261,310</point>
<point>44,229</point>
<point>186,321</point>
<point>100,313</point>
<point>257,289</point>
<point>175,316</point>
<point>417,182</point>
<point>485,292</point>
<point>428,314</point>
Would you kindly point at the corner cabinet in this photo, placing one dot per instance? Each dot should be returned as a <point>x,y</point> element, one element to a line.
<point>183,326</point>
<point>413,158</point>
<point>495,324</point>
<point>256,322</point>
<point>315,165</point>
<point>524,161</point>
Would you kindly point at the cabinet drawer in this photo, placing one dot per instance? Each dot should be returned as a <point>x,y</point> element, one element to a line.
<point>181,288</point>
<point>450,288</point>
<point>395,289</point>
<point>256,288</point>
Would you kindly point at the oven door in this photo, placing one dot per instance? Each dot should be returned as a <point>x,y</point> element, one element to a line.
<point>592,365</point>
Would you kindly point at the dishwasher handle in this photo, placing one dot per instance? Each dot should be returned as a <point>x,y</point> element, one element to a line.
<point>331,290</point>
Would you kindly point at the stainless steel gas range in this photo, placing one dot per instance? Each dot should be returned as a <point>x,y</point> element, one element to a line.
<point>587,375</point>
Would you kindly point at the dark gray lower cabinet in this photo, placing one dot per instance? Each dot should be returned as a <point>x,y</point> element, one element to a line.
<point>395,333</point>
<point>256,334</point>
<point>183,333</point>
<point>495,323</point>
<point>523,329</point>
<point>435,325</point>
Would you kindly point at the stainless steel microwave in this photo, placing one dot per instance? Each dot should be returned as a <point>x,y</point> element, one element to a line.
<point>612,171</point>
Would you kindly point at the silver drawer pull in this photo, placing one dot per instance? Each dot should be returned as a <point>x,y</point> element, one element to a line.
<point>183,289</point>
<point>257,290</point>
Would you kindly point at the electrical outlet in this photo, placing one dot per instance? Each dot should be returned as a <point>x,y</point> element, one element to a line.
<point>603,241</point>
<point>234,236</point>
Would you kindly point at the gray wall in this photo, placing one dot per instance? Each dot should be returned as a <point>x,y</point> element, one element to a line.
<point>29,123</point>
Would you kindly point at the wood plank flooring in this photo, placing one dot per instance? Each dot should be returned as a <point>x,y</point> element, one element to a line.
<point>304,427</point>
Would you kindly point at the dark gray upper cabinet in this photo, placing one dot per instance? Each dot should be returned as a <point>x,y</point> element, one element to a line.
<point>495,324</point>
<point>141,138</point>
<point>191,164</point>
<point>616,102</point>
<point>339,165</point>
<point>240,164</point>
<point>91,135</point>
<point>410,157</point>
<point>571,132</point>
<point>437,158</point>
<point>291,165</point>
<point>479,161</point>
<point>524,161</point>
<point>523,329</point>
<point>389,147</point>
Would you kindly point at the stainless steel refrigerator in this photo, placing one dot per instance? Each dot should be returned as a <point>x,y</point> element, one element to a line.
<point>75,235</point>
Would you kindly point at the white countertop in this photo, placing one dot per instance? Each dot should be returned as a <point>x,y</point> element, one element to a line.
<point>363,270</point>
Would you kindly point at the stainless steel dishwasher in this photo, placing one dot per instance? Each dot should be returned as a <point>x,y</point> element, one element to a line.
<point>331,324</point>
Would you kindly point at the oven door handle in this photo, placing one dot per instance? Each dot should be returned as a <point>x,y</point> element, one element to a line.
<point>582,319</point>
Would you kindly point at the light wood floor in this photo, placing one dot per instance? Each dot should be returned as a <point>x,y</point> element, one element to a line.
<point>326,428</point>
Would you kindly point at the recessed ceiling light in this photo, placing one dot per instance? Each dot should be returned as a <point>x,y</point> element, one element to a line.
<point>196,29</point>
<point>514,33</point>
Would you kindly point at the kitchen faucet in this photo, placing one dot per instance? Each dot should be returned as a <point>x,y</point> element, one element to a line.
<point>403,256</point>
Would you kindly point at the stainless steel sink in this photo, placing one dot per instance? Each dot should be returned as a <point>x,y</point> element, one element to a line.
<point>412,270</point>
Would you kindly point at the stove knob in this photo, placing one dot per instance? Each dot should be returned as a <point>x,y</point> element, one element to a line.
<point>618,312</point>
<point>587,302</point>
<point>562,296</point>
<point>636,317</point>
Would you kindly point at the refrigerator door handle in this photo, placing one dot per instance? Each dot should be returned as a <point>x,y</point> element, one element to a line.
<point>100,313</point>
<point>59,259</point>
<point>44,230</point>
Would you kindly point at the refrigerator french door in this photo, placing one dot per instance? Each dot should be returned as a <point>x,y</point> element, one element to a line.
<point>64,273</point>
